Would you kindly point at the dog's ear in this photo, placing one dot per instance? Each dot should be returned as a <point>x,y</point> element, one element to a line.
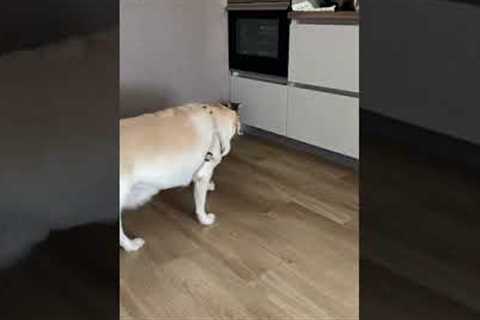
<point>224,103</point>
<point>235,106</point>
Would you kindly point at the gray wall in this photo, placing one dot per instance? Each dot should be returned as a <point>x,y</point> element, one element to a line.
<point>423,69</point>
<point>172,52</point>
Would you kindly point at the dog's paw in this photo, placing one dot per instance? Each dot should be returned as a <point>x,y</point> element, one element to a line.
<point>134,245</point>
<point>211,186</point>
<point>208,219</point>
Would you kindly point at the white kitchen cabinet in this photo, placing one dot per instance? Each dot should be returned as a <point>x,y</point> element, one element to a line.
<point>322,119</point>
<point>264,103</point>
<point>325,56</point>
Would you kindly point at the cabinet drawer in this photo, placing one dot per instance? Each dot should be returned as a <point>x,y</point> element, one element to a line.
<point>325,56</point>
<point>325,120</point>
<point>264,103</point>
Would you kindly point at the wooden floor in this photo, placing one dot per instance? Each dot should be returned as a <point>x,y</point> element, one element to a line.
<point>285,244</point>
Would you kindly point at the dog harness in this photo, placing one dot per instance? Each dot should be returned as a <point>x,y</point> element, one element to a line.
<point>215,135</point>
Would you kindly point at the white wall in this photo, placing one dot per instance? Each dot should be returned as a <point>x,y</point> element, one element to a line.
<point>172,52</point>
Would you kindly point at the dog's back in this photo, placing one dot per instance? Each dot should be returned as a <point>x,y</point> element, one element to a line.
<point>161,150</point>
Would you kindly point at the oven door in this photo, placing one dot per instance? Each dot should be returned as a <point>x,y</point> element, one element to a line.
<point>258,41</point>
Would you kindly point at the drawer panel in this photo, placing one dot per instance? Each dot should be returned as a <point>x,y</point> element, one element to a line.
<point>264,103</point>
<point>325,120</point>
<point>325,56</point>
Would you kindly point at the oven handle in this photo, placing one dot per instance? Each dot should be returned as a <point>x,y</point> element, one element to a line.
<point>257,5</point>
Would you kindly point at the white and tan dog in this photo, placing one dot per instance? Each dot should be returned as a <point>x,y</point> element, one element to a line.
<point>172,148</point>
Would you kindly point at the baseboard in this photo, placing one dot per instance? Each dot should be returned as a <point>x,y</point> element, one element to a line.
<point>337,158</point>
<point>426,142</point>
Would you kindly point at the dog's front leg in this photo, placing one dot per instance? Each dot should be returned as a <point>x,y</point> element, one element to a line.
<point>201,186</point>
<point>226,148</point>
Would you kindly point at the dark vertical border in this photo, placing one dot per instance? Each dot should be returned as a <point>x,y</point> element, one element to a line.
<point>419,166</point>
<point>59,159</point>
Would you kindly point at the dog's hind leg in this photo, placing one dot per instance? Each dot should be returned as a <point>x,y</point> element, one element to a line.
<point>211,186</point>
<point>126,243</point>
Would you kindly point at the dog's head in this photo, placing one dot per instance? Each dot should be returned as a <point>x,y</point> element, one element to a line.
<point>231,111</point>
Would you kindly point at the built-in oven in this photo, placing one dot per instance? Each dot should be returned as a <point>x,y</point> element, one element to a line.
<point>258,36</point>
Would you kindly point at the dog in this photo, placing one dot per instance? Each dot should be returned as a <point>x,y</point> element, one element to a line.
<point>173,148</point>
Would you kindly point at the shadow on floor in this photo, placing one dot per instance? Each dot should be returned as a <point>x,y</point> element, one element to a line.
<point>71,275</point>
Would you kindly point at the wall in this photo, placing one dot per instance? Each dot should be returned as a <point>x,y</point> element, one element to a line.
<point>409,71</point>
<point>172,52</point>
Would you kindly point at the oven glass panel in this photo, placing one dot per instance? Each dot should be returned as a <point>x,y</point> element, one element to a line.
<point>257,37</point>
